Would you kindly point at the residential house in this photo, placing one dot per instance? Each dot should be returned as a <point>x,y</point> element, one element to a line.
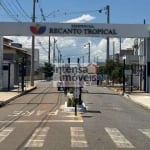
<point>13,56</point>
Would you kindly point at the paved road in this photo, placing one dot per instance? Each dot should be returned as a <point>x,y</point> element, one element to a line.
<point>114,122</point>
<point>37,121</point>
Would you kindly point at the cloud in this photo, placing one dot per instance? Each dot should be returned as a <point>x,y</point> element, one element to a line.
<point>81,19</point>
<point>127,43</point>
<point>98,49</point>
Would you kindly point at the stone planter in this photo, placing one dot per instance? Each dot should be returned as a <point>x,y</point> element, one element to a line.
<point>80,108</point>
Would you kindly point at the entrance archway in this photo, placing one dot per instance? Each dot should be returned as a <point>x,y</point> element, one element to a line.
<point>78,30</point>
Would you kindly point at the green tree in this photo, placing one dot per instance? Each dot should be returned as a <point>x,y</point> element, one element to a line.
<point>117,74</point>
<point>109,67</point>
<point>48,70</point>
<point>113,71</point>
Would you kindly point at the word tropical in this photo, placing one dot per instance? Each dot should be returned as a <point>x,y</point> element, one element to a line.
<point>101,31</point>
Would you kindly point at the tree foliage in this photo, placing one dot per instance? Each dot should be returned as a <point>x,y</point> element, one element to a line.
<point>48,69</point>
<point>113,70</point>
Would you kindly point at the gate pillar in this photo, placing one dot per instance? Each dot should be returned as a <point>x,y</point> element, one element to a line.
<point>1,62</point>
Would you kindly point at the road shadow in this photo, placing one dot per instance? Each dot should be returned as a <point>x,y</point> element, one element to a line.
<point>93,111</point>
<point>90,111</point>
<point>102,93</point>
<point>87,116</point>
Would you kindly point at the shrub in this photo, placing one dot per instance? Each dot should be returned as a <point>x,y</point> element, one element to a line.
<point>69,102</point>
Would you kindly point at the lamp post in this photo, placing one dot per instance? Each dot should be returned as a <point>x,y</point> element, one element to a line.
<point>124,63</point>
<point>107,11</point>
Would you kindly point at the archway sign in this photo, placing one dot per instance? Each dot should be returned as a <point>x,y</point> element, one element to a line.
<point>74,29</point>
<point>78,30</point>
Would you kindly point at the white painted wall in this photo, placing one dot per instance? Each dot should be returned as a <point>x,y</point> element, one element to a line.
<point>5,77</point>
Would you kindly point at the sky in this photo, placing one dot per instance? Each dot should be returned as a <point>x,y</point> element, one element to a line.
<point>75,11</point>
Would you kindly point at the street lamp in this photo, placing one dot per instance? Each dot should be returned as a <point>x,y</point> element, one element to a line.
<point>107,11</point>
<point>124,63</point>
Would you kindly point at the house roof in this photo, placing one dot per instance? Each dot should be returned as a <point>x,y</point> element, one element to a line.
<point>16,48</point>
<point>6,40</point>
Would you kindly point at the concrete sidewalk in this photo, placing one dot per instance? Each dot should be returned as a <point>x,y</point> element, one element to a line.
<point>8,96</point>
<point>140,98</point>
<point>136,96</point>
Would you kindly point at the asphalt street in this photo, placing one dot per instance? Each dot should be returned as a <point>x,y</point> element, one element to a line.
<point>37,121</point>
<point>114,122</point>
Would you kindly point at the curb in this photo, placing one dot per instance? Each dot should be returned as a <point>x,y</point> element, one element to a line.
<point>127,96</point>
<point>12,98</point>
<point>145,106</point>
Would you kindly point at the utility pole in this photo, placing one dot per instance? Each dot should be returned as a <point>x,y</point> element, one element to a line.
<point>89,56</point>
<point>83,59</point>
<point>113,51</point>
<point>107,8</point>
<point>120,44</point>
<point>54,51</point>
<point>49,51</point>
<point>33,47</point>
<point>113,60</point>
<point>97,60</point>
<point>60,58</point>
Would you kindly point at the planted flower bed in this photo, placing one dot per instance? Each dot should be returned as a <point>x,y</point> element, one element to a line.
<point>72,101</point>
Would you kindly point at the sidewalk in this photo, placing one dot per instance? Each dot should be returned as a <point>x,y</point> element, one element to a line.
<point>138,97</point>
<point>8,96</point>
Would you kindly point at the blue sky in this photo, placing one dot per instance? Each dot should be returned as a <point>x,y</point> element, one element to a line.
<point>121,12</point>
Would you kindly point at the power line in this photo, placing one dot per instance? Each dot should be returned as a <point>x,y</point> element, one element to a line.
<point>54,13</point>
<point>11,7</point>
<point>25,13</point>
<point>19,12</point>
<point>8,11</point>
<point>14,7</point>
<point>42,13</point>
<point>80,12</point>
